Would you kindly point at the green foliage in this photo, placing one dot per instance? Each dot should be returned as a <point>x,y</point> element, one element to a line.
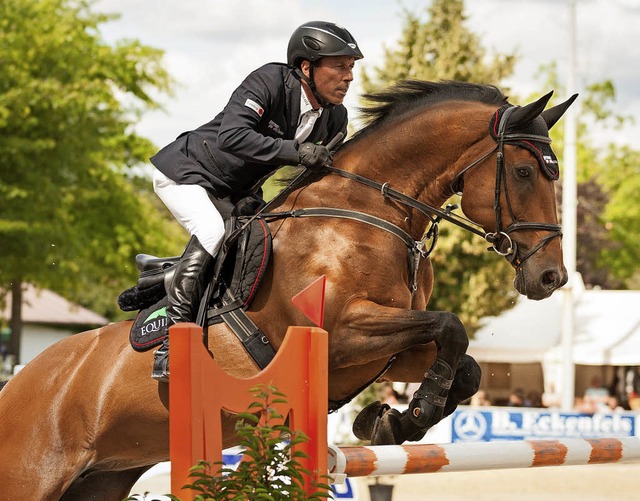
<point>270,470</point>
<point>474,282</point>
<point>614,171</point>
<point>608,232</point>
<point>71,214</point>
<point>620,177</point>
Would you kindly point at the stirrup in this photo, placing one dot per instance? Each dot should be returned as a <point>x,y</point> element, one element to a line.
<point>161,365</point>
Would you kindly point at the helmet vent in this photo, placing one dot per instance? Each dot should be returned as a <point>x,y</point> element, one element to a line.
<point>311,43</point>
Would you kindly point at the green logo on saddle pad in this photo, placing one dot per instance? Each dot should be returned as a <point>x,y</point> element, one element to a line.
<point>154,322</point>
<point>162,312</point>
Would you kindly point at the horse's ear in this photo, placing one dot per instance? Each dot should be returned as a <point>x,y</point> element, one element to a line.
<point>552,115</point>
<point>525,114</point>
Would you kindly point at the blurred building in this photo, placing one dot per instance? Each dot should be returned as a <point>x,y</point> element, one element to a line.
<point>521,348</point>
<point>47,318</point>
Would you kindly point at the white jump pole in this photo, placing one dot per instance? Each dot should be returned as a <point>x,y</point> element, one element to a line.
<point>382,460</point>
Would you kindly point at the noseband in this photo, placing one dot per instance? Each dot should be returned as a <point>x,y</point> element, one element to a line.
<point>501,237</point>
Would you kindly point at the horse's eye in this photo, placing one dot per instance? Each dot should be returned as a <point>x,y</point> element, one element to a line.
<point>523,172</point>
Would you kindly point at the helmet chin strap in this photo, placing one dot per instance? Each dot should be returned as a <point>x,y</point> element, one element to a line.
<point>312,86</point>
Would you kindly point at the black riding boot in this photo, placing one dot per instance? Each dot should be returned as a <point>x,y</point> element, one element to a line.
<point>189,282</point>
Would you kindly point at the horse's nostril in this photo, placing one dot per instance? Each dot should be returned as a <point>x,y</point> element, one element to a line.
<point>551,278</point>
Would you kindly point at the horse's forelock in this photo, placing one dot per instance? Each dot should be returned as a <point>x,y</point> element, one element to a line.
<point>410,95</point>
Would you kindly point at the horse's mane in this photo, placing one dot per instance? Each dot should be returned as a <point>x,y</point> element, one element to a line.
<point>410,95</point>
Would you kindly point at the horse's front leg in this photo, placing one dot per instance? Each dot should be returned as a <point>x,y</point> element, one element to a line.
<point>377,331</point>
<point>383,425</point>
<point>466,381</point>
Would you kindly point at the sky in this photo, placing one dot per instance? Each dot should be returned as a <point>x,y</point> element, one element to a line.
<point>211,45</point>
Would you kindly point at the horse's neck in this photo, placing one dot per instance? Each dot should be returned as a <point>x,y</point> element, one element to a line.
<point>421,155</point>
<point>419,158</point>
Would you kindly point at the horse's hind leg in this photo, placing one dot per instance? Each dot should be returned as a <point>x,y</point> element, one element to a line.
<point>103,485</point>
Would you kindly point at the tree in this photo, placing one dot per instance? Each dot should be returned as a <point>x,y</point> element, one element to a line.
<point>440,48</point>
<point>468,280</point>
<point>608,229</point>
<point>618,176</point>
<point>615,170</point>
<point>72,213</point>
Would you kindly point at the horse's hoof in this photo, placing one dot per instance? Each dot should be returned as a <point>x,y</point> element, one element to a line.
<point>387,429</point>
<point>395,428</point>
<point>366,419</point>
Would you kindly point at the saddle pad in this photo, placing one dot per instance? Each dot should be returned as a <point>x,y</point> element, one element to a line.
<point>148,329</point>
<point>251,262</point>
<point>245,268</point>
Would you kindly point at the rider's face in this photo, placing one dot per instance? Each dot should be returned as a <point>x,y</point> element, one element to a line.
<point>332,76</point>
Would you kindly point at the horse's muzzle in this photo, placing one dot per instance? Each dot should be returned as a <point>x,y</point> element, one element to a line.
<point>538,285</point>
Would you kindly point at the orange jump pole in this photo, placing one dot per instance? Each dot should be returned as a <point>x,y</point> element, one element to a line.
<point>200,390</point>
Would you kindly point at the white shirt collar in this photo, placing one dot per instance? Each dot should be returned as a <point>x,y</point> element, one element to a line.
<point>305,104</point>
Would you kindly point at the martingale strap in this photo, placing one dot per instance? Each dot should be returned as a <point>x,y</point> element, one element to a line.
<point>416,248</point>
<point>354,216</point>
<point>434,214</point>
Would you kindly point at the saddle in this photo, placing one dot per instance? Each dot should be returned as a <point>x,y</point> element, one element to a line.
<point>240,267</point>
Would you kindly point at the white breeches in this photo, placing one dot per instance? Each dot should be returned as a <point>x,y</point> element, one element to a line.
<point>191,206</point>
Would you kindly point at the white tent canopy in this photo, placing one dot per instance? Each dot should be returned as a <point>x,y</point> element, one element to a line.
<point>607,330</point>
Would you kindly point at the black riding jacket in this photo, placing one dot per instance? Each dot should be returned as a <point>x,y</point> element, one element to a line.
<point>250,138</point>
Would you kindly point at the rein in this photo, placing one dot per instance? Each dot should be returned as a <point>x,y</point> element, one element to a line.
<point>434,214</point>
<point>418,248</point>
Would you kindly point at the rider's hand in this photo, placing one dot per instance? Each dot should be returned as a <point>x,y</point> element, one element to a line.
<point>314,156</point>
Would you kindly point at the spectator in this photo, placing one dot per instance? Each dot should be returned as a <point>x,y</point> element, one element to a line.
<point>480,399</point>
<point>516,398</point>
<point>534,399</point>
<point>596,397</point>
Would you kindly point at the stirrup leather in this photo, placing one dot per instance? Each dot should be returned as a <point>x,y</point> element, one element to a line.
<point>161,364</point>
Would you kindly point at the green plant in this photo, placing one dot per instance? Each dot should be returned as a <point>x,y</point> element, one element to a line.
<point>270,469</point>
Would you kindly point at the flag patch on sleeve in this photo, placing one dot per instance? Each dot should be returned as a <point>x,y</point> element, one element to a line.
<point>249,103</point>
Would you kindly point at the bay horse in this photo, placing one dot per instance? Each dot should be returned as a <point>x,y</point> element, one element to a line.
<point>84,419</point>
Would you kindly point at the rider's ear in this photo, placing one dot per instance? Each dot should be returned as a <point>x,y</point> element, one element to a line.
<point>552,115</point>
<point>526,114</point>
<point>305,67</point>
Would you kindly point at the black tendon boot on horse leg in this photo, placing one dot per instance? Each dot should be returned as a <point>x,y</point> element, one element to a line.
<point>391,427</point>
<point>190,280</point>
<point>385,426</point>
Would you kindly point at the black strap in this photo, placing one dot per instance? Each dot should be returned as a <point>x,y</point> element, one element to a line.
<point>348,214</point>
<point>416,248</point>
<point>225,308</point>
<point>252,338</point>
<point>427,210</point>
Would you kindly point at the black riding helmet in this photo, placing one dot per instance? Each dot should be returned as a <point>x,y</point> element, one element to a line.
<point>315,40</point>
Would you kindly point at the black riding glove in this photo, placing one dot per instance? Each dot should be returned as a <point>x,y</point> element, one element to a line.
<point>314,156</point>
<point>249,205</point>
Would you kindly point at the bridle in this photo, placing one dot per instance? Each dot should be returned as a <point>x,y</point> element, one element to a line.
<point>501,236</point>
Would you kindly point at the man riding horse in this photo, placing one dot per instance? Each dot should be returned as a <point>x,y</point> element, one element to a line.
<point>280,115</point>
